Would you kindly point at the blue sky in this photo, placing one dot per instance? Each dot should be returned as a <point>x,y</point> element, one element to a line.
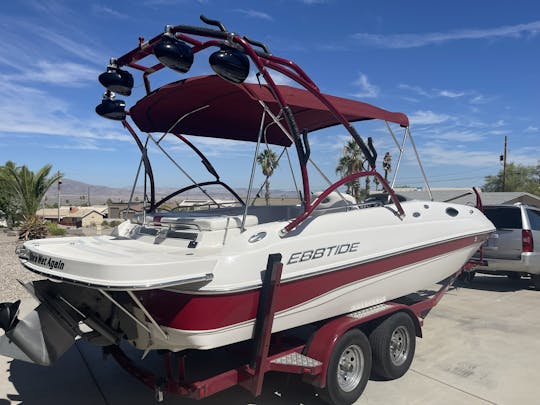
<point>465,72</point>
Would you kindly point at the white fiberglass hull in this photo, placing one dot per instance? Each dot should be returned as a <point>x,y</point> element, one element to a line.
<point>201,287</point>
<point>348,298</point>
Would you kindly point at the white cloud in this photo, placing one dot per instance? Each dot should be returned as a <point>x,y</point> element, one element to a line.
<point>415,89</point>
<point>530,129</point>
<point>213,147</point>
<point>64,74</point>
<point>107,11</point>
<point>440,155</point>
<point>450,93</point>
<point>480,124</point>
<point>457,135</point>
<point>33,111</point>
<point>72,46</point>
<point>428,117</point>
<point>527,155</point>
<point>367,89</point>
<point>479,99</point>
<point>255,14</point>
<point>434,92</point>
<point>81,144</point>
<point>498,132</point>
<point>417,40</point>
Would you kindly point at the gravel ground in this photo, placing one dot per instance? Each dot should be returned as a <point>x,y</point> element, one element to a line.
<point>11,270</point>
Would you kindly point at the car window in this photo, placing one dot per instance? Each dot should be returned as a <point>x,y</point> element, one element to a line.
<point>534,219</point>
<point>509,218</point>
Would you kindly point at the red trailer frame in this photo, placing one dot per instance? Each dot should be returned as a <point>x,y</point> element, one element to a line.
<point>276,352</point>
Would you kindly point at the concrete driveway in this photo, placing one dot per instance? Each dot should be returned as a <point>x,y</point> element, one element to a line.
<point>481,345</point>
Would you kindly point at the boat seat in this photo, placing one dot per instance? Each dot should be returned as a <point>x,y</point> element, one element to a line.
<point>205,221</point>
<point>334,202</point>
<point>273,213</point>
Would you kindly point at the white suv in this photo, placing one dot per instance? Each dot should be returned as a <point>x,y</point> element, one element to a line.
<point>511,249</point>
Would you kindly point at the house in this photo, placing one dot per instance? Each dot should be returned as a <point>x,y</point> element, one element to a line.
<point>72,216</point>
<point>464,196</point>
<point>119,210</point>
<point>102,209</point>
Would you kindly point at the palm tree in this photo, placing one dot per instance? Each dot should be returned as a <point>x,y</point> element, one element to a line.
<point>268,161</point>
<point>351,161</point>
<point>28,188</point>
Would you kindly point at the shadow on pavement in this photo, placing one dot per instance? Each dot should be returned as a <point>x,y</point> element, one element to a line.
<point>487,282</point>
<point>72,380</point>
<point>65,382</point>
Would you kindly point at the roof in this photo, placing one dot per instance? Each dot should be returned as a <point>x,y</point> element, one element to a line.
<point>103,209</point>
<point>66,212</point>
<point>134,206</point>
<point>235,112</point>
<point>488,198</point>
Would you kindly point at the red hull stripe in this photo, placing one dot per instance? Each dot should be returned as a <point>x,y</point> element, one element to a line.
<point>203,312</point>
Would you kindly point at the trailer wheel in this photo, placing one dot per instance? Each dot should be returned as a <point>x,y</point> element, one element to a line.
<point>393,343</point>
<point>467,276</point>
<point>348,369</point>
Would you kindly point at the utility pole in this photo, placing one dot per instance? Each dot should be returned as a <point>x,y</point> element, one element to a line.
<point>504,163</point>
<point>59,182</point>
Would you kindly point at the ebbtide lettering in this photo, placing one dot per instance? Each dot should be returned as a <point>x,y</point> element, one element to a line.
<point>46,261</point>
<point>312,254</point>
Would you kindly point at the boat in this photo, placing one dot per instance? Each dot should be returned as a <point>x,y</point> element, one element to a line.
<point>182,280</point>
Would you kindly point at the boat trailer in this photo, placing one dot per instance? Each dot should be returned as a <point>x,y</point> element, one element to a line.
<point>337,357</point>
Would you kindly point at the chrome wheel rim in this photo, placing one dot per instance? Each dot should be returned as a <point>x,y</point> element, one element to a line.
<point>350,368</point>
<point>399,345</point>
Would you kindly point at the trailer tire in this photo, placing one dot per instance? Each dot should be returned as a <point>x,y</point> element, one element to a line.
<point>348,369</point>
<point>393,343</point>
<point>467,277</point>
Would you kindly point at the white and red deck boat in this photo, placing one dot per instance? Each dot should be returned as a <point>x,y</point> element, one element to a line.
<point>191,280</point>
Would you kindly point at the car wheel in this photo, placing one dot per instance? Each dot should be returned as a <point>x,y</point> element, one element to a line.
<point>536,281</point>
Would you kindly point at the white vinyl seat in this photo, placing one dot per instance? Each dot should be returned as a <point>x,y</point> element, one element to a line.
<point>334,202</point>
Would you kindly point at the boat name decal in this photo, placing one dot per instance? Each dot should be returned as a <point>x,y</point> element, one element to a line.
<point>312,254</point>
<point>46,261</point>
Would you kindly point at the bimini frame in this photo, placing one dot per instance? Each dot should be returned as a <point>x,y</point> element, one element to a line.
<point>263,60</point>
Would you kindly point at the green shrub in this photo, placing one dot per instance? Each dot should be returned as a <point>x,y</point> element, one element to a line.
<point>55,230</point>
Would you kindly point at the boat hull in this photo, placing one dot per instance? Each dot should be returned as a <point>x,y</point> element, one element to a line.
<point>141,288</point>
<point>207,321</point>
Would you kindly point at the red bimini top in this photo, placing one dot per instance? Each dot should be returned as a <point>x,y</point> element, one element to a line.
<point>234,111</point>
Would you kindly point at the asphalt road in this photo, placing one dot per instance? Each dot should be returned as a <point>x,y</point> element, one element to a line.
<point>481,345</point>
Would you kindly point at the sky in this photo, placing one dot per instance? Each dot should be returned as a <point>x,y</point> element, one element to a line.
<point>466,73</point>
